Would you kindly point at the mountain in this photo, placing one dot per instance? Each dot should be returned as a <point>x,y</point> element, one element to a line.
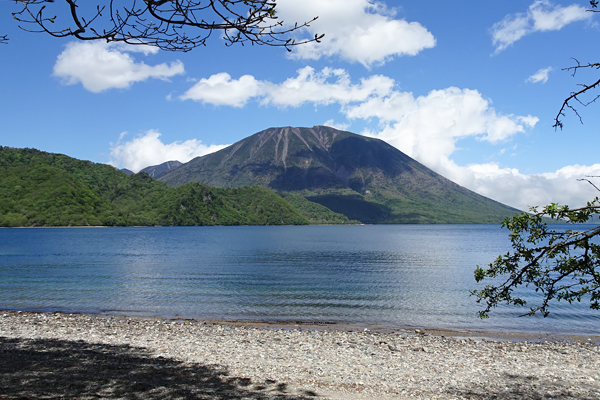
<point>156,170</point>
<point>47,189</point>
<point>363,178</point>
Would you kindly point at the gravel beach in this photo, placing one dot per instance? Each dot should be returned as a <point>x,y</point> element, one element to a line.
<point>57,355</point>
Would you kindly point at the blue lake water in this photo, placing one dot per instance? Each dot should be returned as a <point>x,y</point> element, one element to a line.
<point>389,275</point>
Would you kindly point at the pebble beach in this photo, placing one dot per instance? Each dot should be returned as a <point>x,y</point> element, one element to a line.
<point>79,356</point>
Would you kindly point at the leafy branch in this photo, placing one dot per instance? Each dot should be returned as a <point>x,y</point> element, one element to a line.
<point>561,265</point>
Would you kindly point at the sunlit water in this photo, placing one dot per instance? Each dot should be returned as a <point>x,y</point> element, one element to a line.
<point>389,275</point>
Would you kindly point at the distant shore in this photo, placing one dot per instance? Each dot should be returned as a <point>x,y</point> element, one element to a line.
<point>105,356</point>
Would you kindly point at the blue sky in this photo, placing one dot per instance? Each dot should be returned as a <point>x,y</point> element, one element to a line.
<point>470,90</point>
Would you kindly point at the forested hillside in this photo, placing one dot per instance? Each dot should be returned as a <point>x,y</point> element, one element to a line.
<point>46,189</point>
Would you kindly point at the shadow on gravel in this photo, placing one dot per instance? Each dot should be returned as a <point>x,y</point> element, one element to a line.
<point>523,387</point>
<point>66,369</point>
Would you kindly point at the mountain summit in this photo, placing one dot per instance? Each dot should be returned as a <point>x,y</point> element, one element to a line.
<point>364,178</point>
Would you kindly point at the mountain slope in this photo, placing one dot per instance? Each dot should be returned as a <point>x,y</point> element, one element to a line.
<point>46,189</point>
<point>363,178</point>
<point>156,170</point>
<point>42,195</point>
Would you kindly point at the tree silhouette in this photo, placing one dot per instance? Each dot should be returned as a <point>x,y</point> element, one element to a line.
<point>173,25</point>
<point>577,96</point>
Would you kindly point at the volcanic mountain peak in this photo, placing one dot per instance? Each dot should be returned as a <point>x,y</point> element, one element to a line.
<point>346,172</point>
<point>277,144</point>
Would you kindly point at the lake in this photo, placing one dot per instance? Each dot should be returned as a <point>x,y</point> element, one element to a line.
<point>392,276</point>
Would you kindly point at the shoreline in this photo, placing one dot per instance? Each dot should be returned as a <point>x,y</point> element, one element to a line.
<point>494,335</point>
<point>63,355</point>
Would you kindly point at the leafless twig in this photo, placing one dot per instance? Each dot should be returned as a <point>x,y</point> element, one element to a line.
<point>590,182</point>
<point>575,95</point>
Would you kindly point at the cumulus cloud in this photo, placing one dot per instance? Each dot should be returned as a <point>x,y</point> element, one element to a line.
<point>541,16</point>
<point>100,66</point>
<point>220,89</point>
<point>428,127</point>
<point>146,150</point>
<point>540,76</point>
<point>363,31</point>
<point>319,87</point>
<point>509,186</point>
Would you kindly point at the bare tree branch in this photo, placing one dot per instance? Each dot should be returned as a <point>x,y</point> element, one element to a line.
<point>575,96</point>
<point>590,182</point>
<point>174,25</point>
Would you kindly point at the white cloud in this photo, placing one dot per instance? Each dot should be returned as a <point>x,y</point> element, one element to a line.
<point>332,124</point>
<point>325,87</point>
<point>540,76</point>
<point>541,16</point>
<point>529,120</point>
<point>146,150</point>
<point>509,186</point>
<point>99,66</point>
<point>547,17</point>
<point>428,127</point>
<point>220,89</point>
<point>316,87</point>
<point>363,31</point>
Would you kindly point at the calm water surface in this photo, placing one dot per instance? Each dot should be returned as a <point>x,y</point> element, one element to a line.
<point>389,275</point>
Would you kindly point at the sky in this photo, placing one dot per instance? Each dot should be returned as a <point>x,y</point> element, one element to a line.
<point>468,89</point>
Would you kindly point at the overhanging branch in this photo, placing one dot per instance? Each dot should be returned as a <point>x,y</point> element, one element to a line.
<point>174,25</point>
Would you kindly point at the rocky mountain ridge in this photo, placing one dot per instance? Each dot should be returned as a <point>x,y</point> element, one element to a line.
<point>157,170</point>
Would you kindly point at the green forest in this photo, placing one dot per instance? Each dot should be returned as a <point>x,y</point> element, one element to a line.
<point>47,189</point>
